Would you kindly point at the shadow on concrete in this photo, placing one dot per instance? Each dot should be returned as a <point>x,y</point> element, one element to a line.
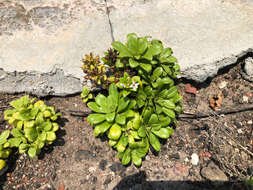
<point>138,182</point>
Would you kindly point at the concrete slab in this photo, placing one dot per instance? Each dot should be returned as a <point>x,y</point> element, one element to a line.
<point>42,42</point>
<point>49,39</point>
<point>205,35</point>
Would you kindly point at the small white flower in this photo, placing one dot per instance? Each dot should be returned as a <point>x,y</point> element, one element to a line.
<point>134,85</point>
<point>122,85</point>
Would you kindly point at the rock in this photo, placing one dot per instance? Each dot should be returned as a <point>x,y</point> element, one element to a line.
<point>47,186</point>
<point>248,68</point>
<point>223,84</point>
<point>51,83</point>
<point>190,89</point>
<point>44,43</point>
<point>61,187</point>
<point>94,179</point>
<point>108,180</point>
<point>245,99</point>
<point>194,159</point>
<point>117,167</point>
<point>213,173</point>
<point>182,26</point>
<point>174,156</point>
<point>92,169</point>
<point>102,164</point>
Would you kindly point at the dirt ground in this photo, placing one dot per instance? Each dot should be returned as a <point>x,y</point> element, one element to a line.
<point>79,161</point>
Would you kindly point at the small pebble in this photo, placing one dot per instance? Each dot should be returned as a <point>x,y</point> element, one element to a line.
<point>238,124</point>
<point>249,122</point>
<point>102,164</point>
<point>194,159</point>
<point>223,84</point>
<point>92,169</point>
<point>174,156</point>
<point>245,99</point>
<point>240,131</point>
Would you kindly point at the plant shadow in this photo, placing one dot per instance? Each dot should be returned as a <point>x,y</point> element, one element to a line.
<point>10,167</point>
<point>138,182</point>
<point>59,140</point>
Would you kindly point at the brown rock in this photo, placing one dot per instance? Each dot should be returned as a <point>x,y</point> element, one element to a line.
<point>62,187</point>
<point>190,89</point>
<point>213,173</point>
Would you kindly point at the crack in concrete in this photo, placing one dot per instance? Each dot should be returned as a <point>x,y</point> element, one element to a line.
<point>109,20</point>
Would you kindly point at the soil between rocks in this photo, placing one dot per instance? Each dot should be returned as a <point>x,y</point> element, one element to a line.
<point>78,160</point>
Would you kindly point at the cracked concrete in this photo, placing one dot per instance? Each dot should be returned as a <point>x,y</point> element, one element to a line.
<point>41,84</point>
<point>204,35</point>
<point>44,41</point>
<point>54,37</point>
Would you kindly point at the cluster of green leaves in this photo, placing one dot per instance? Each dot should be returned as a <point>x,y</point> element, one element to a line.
<point>5,150</point>
<point>34,125</point>
<point>141,109</point>
<point>86,95</point>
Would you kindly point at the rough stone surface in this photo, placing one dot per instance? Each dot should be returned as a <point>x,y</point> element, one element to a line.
<point>43,37</point>
<point>205,35</point>
<point>39,38</point>
<point>248,69</point>
<point>213,173</point>
<point>41,84</point>
<point>249,66</point>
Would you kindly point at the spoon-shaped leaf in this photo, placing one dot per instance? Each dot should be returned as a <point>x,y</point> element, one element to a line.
<point>153,119</point>
<point>96,118</point>
<point>121,119</point>
<point>123,103</point>
<point>142,131</point>
<point>101,100</point>
<point>154,141</point>
<point>136,45</point>
<point>163,133</point>
<point>113,92</point>
<point>102,128</point>
<point>110,117</point>
<point>169,112</point>
<point>122,49</point>
<point>3,137</point>
<point>133,63</point>
<point>126,157</point>
<point>95,107</point>
<point>135,159</point>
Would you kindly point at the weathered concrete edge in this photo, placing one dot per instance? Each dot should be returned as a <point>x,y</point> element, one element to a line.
<point>200,73</point>
<point>40,84</point>
<point>52,83</point>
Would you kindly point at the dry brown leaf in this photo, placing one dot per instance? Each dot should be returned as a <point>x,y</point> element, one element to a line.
<point>216,101</point>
